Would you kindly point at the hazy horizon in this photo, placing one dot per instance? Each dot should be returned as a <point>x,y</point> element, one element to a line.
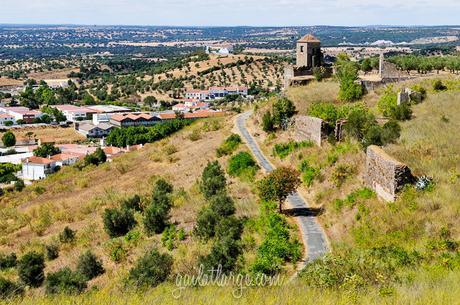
<point>229,13</point>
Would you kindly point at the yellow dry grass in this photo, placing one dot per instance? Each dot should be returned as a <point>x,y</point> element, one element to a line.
<point>57,135</point>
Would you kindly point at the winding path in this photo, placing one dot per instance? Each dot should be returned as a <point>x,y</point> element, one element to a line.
<point>313,236</point>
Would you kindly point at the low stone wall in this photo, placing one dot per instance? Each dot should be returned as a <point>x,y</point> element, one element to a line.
<point>385,175</point>
<point>308,128</point>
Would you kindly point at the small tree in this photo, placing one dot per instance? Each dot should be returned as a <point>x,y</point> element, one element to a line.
<point>89,265</point>
<point>9,139</point>
<point>65,281</point>
<point>46,150</point>
<point>157,214</point>
<point>278,185</point>
<point>67,235</point>
<point>152,269</point>
<point>206,222</point>
<point>118,222</point>
<point>212,180</point>
<point>30,269</point>
<point>267,122</point>
<point>52,252</point>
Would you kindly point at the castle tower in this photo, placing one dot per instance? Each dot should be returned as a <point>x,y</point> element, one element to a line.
<point>308,52</point>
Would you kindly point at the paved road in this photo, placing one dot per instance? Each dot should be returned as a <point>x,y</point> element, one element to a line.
<point>312,234</point>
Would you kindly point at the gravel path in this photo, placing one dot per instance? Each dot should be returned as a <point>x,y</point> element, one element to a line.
<point>313,236</point>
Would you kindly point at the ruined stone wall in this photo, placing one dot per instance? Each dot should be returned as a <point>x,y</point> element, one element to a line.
<point>385,175</point>
<point>308,128</point>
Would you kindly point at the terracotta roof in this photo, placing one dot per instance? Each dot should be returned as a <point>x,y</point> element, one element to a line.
<point>134,117</point>
<point>6,116</point>
<point>111,150</point>
<point>309,38</point>
<point>200,114</point>
<point>38,160</point>
<point>63,157</point>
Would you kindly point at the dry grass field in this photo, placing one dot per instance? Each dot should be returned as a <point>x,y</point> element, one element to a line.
<point>57,135</point>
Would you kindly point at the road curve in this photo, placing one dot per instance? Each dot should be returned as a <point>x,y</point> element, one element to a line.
<point>313,236</point>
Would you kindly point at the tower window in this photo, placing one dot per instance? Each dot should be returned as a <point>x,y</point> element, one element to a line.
<point>301,49</point>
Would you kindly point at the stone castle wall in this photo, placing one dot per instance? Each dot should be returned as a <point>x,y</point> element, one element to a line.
<point>308,128</point>
<point>385,175</point>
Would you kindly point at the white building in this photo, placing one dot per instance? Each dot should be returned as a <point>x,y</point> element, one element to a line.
<point>221,92</point>
<point>74,113</point>
<point>65,159</point>
<point>108,109</point>
<point>95,131</point>
<point>99,118</point>
<point>22,113</point>
<point>36,168</point>
<point>200,95</point>
<point>190,105</point>
<point>6,118</point>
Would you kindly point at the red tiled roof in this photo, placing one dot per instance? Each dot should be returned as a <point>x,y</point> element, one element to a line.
<point>64,157</point>
<point>38,160</point>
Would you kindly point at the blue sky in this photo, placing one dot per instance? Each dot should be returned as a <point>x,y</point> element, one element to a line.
<point>232,12</point>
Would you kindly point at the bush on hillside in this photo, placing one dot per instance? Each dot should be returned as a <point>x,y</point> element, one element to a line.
<point>118,222</point>
<point>242,165</point>
<point>67,235</point>
<point>152,269</point>
<point>9,139</point>
<point>52,252</point>
<point>283,110</point>
<point>31,269</point>
<point>212,180</point>
<point>96,158</point>
<point>225,253</point>
<point>222,205</point>
<point>89,265</point>
<point>46,150</point>
<point>156,215</point>
<point>133,203</point>
<point>308,173</point>
<point>268,125</point>
<point>401,112</point>
<point>9,289</point>
<point>8,261</point>
<point>439,86</point>
<point>206,222</point>
<point>229,146</point>
<point>283,150</point>
<point>65,281</point>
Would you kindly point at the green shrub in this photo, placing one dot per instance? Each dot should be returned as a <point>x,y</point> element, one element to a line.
<point>242,164</point>
<point>206,222</point>
<point>325,111</point>
<point>30,269</point>
<point>89,265</point>
<point>277,246</point>
<point>352,199</point>
<point>308,173</point>
<point>152,269</point>
<point>401,112</point>
<point>9,139</point>
<point>156,215</point>
<point>283,110</point>
<point>212,180</point>
<point>8,261</point>
<point>9,289</point>
<point>67,235</point>
<point>171,235</point>
<point>341,173</point>
<point>65,281</point>
<point>118,251</point>
<point>268,124</point>
<point>132,203</point>
<point>229,145</point>
<point>285,149</point>
<point>52,252</point>
<point>118,222</point>
<point>222,205</point>
<point>439,86</point>
<point>388,101</point>
<point>225,253</point>
<point>19,185</point>
<point>46,150</point>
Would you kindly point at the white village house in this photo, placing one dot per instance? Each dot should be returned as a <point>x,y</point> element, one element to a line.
<point>37,168</point>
